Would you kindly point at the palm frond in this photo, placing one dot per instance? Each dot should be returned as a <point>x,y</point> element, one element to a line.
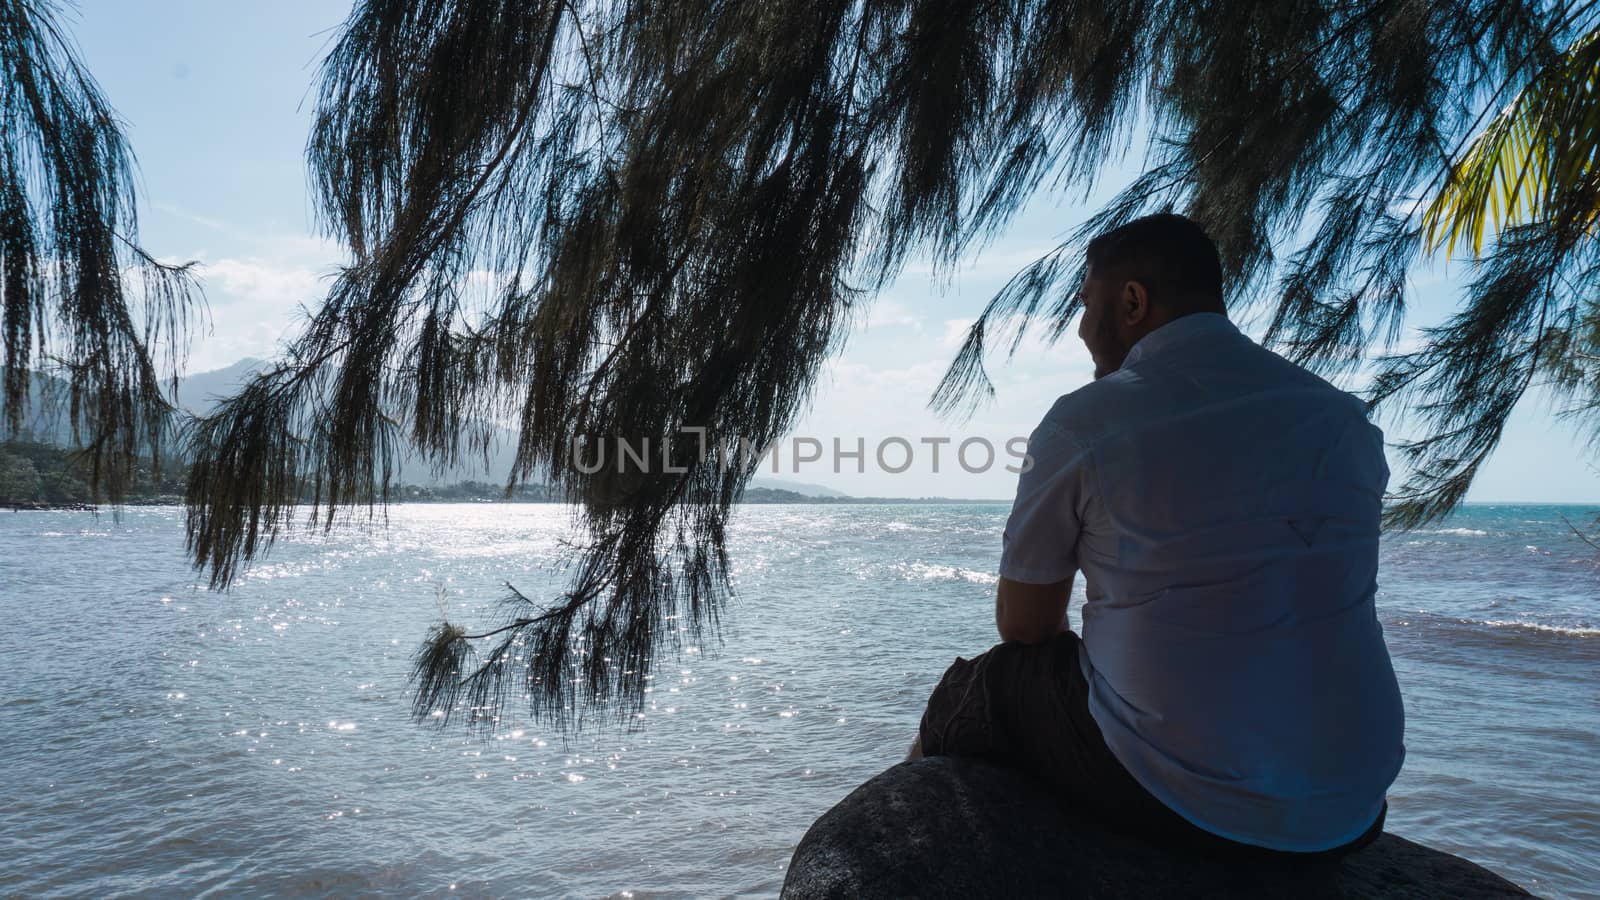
<point>1532,161</point>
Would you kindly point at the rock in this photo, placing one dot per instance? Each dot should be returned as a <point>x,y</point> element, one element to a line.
<point>946,827</point>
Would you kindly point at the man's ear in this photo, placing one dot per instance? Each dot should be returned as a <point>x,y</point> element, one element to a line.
<point>1134,304</point>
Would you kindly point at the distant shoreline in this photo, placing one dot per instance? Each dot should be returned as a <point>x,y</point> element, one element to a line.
<point>801,501</point>
<point>798,500</point>
<point>41,477</point>
<point>55,507</point>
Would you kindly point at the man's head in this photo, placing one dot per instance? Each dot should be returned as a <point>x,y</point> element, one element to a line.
<point>1140,277</point>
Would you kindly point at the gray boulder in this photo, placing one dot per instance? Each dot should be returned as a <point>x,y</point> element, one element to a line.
<point>946,827</point>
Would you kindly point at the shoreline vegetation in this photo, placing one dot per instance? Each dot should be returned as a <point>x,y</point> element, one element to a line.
<point>36,476</point>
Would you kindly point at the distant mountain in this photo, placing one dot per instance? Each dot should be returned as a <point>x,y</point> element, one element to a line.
<point>198,393</point>
<point>802,488</point>
<point>201,391</point>
<point>45,418</point>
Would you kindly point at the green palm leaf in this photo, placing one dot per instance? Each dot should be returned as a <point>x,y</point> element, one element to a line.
<point>1534,162</point>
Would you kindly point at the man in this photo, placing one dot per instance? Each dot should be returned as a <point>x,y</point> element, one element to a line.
<point>1231,689</point>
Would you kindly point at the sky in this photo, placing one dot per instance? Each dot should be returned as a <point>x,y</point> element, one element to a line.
<point>217,100</point>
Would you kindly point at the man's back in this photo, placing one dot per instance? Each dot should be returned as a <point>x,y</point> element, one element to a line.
<point>1223,506</point>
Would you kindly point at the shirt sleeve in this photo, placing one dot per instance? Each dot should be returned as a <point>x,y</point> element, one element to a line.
<point>1041,536</point>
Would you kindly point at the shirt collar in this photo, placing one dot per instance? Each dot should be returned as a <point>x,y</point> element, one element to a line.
<point>1182,330</point>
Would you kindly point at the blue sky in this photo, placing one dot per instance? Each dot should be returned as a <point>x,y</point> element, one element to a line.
<point>217,102</point>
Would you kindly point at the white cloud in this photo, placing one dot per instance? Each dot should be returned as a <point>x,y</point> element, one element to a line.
<point>955,333</point>
<point>989,264</point>
<point>261,283</point>
<point>887,312</point>
<point>255,304</point>
<point>848,376</point>
<point>1035,346</point>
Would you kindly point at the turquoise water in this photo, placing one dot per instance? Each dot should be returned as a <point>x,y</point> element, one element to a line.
<point>162,739</point>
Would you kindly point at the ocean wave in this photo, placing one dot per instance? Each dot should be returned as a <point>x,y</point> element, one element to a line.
<point>1573,630</point>
<point>1555,628</point>
<point>899,525</point>
<point>927,572</point>
<point>1459,532</point>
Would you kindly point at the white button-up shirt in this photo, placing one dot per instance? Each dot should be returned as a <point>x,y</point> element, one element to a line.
<point>1223,505</point>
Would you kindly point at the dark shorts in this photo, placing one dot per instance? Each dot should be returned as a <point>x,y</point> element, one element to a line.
<point>1027,708</point>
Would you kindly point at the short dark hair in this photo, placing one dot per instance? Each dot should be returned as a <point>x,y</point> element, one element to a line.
<point>1169,254</point>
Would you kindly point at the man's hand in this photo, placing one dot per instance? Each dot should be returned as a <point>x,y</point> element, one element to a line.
<point>1031,613</point>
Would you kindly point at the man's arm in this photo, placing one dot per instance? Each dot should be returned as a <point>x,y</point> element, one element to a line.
<point>1031,613</point>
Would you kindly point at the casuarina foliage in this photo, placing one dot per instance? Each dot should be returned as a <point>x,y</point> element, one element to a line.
<point>652,222</point>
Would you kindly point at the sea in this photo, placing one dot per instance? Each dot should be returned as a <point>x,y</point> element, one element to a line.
<point>160,739</point>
